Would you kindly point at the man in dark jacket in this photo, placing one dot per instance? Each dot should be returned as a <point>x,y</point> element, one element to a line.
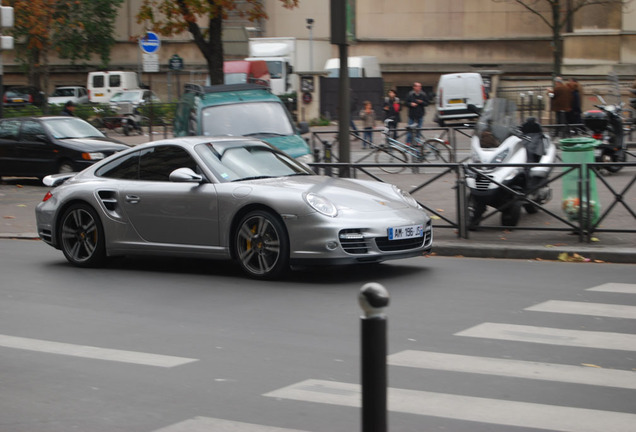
<point>415,102</point>
<point>69,109</point>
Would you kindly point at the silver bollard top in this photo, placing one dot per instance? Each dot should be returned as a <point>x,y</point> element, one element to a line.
<point>373,299</point>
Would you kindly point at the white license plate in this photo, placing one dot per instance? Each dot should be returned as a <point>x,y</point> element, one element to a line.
<point>598,152</point>
<point>405,232</point>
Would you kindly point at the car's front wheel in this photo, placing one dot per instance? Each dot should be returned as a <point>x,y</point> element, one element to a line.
<point>82,236</point>
<point>262,245</point>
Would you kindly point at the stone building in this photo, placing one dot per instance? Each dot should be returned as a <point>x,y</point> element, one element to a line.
<point>413,40</point>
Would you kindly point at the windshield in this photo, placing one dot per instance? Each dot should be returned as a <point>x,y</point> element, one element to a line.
<point>71,128</point>
<point>63,92</point>
<point>235,78</point>
<point>127,96</point>
<point>275,69</point>
<point>248,160</point>
<point>254,118</point>
<point>498,120</point>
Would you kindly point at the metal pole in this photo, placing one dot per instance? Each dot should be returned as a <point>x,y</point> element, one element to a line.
<point>373,299</point>
<point>344,120</point>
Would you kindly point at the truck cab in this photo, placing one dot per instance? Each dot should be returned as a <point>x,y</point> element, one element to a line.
<point>246,72</point>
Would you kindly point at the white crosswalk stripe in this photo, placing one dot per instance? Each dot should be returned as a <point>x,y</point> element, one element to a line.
<point>582,308</point>
<point>515,368</point>
<point>615,288</point>
<point>208,424</point>
<point>552,336</point>
<point>501,412</point>
<point>92,352</point>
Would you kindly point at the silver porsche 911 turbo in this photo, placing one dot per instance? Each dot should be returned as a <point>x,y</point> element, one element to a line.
<point>227,198</point>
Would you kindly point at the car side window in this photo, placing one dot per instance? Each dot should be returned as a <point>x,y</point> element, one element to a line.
<point>125,168</point>
<point>157,163</point>
<point>9,129</point>
<point>30,131</point>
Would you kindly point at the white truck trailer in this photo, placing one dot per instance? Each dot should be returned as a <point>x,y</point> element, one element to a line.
<point>286,56</point>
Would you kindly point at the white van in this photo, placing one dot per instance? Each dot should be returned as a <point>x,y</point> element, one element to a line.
<point>102,85</point>
<point>455,92</point>
<point>359,67</point>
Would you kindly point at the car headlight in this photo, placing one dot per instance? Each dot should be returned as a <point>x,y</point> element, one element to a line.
<point>407,197</point>
<point>321,204</point>
<point>501,156</point>
<point>93,156</point>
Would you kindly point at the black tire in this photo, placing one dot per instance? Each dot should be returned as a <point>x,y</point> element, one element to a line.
<point>614,158</point>
<point>510,216</point>
<point>475,210</point>
<point>388,157</point>
<point>530,208</point>
<point>81,236</point>
<point>262,245</point>
<point>439,151</point>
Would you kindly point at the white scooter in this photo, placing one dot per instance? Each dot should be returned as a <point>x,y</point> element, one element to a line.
<point>499,142</point>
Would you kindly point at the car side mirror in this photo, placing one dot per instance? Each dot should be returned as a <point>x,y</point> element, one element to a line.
<point>185,175</point>
<point>42,138</point>
<point>303,128</point>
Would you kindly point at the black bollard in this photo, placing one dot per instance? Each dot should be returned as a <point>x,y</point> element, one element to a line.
<point>373,299</point>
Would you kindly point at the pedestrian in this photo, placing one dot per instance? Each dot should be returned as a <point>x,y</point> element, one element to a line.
<point>416,101</point>
<point>368,121</point>
<point>575,109</point>
<point>561,104</point>
<point>69,109</point>
<point>392,112</point>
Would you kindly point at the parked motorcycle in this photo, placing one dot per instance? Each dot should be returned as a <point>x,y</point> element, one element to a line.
<point>606,126</point>
<point>499,141</point>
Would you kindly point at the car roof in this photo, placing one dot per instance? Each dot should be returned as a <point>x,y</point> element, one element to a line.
<point>231,93</point>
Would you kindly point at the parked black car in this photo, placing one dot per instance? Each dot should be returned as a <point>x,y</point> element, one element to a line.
<point>24,95</point>
<point>38,146</point>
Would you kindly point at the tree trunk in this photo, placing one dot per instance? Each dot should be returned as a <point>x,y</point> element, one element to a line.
<point>557,40</point>
<point>215,55</point>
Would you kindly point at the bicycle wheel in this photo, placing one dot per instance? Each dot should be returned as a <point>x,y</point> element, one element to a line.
<point>437,150</point>
<point>388,157</point>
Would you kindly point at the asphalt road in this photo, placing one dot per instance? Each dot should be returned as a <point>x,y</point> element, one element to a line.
<point>160,345</point>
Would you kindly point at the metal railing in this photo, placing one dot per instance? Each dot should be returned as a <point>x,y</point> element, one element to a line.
<point>583,224</point>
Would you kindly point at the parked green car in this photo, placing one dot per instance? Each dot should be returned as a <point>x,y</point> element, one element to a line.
<point>240,110</point>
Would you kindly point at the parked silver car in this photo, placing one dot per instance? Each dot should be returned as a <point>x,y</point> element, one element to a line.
<point>227,198</point>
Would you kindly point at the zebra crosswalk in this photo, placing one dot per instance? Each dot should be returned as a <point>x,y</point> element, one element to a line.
<point>563,416</point>
<point>507,412</point>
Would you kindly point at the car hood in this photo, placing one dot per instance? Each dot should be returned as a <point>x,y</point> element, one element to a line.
<point>89,144</point>
<point>361,195</point>
<point>293,145</point>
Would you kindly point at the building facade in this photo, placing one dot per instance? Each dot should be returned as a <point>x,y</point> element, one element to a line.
<point>414,40</point>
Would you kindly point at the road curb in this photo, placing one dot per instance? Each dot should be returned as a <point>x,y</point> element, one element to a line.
<point>519,251</point>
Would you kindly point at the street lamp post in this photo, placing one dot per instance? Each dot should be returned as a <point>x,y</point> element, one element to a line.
<point>310,26</point>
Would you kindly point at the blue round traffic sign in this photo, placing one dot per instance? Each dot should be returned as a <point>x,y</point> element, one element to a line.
<point>150,43</point>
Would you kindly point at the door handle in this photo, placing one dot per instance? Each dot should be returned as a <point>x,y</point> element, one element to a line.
<point>133,199</point>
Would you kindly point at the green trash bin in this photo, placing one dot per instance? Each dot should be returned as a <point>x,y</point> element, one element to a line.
<point>579,151</point>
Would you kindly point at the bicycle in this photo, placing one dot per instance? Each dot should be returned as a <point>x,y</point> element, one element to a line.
<point>396,152</point>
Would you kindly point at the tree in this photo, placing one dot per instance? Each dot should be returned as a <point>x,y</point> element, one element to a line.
<point>556,14</point>
<point>74,29</point>
<point>170,17</point>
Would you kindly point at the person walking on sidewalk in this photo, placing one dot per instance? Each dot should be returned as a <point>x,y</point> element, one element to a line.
<point>416,101</point>
<point>367,115</point>
<point>392,112</point>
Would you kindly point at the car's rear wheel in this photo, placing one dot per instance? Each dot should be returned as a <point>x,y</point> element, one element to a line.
<point>262,245</point>
<point>82,236</point>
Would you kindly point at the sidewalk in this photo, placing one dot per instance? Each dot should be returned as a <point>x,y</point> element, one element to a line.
<point>18,199</point>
